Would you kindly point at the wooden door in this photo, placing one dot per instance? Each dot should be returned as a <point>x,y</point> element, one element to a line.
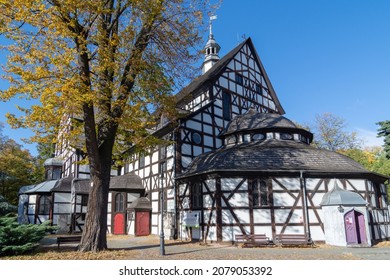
<point>119,223</point>
<point>142,223</point>
<point>355,228</point>
<point>119,219</point>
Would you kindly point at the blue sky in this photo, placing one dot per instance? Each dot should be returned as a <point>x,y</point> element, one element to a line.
<point>321,56</point>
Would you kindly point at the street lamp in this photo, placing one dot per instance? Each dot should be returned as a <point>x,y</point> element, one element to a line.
<point>162,245</point>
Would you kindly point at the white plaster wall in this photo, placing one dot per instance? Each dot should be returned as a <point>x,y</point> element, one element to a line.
<point>131,226</point>
<point>242,215</point>
<point>285,199</point>
<point>316,233</point>
<point>228,233</point>
<point>334,226</point>
<point>207,129</point>
<point>210,184</point>
<point>317,198</point>
<point>239,200</point>
<point>197,150</point>
<point>282,214</point>
<point>206,217</point>
<point>267,230</point>
<point>194,125</point>
<point>313,217</point>
<point>207,201</point>
<point>229,184</point>
<point>155,169</point>
<point>261,216</point>
<point>312,183</point>
<point>155,222</point>
<point>182,188</point>
<point>212,234</point>
<point>358,184</point>
<point>289,183</point>
<point>291,229</point>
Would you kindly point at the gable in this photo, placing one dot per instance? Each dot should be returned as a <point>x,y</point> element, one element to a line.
<point>240,73</point>
<point>244,77</point>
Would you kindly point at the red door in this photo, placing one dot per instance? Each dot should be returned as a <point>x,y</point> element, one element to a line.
<point>119,223</point>
<point>142,223</point>
<point>119,213</point>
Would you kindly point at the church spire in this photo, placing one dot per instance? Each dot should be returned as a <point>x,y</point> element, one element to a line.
<point>211,49</point>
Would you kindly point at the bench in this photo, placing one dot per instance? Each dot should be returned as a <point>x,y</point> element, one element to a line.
<point>293,239</point>
<point>68,239</point>
<point>253,240</point>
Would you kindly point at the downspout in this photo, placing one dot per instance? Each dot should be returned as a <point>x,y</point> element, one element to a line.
<point>175,226</point>
<point>305,208</point>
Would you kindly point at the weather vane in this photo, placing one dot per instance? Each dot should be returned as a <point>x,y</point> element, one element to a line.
<point>214,17</point>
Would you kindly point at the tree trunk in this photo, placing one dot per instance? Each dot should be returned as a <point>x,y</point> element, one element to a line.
<point>100,159</point>
<point>94,235</point>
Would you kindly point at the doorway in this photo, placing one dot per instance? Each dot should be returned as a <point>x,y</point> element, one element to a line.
<point>355,228</point>
<point>119,214</point>
<point>142,223</point>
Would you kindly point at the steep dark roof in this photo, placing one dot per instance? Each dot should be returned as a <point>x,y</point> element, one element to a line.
<point>81,185</point>
<point>273,155</point>
<point>253,120</point>
<point>209,77</point>
<point>141,203</point>
<point>126,182</point>
<point>129,181</point>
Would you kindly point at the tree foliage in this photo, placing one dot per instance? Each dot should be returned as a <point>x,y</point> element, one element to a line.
<point>6,207</point>
<point>330,133</point>
<point>384,131</point>
<point>17,168</point>
<point>110,64</point>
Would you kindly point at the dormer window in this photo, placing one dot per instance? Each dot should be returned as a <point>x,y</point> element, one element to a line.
<point>258,137</point>
<point>303,139</point>
<point>230,140</point>
<point>286,136</point>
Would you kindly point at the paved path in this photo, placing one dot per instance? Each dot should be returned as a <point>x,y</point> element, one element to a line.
<point>149,248</point>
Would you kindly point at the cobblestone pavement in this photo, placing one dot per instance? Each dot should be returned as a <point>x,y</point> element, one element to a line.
<point>149,248</point>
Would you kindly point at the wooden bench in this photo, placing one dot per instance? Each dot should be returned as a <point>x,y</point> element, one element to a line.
<point>253,240</point>
<point>293,240</point>
<point>68,239</point>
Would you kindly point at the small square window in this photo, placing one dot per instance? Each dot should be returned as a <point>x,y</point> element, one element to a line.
<point>239,79</point>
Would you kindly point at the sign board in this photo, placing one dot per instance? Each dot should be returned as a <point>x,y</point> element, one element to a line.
<point>191,219</point>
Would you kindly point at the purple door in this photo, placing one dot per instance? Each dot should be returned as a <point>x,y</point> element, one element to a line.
<point>355,227</point>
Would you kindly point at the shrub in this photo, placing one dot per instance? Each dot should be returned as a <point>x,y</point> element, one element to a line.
<point>16,239</point>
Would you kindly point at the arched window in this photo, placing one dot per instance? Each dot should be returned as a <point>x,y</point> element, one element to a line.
<point>119,202</point>
<point>260,193</point>
<point>44,205</point>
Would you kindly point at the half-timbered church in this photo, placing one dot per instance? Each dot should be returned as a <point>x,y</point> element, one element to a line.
<point>237,166</point>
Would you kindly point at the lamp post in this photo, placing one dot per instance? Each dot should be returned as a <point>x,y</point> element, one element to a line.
<point>162,245</point>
